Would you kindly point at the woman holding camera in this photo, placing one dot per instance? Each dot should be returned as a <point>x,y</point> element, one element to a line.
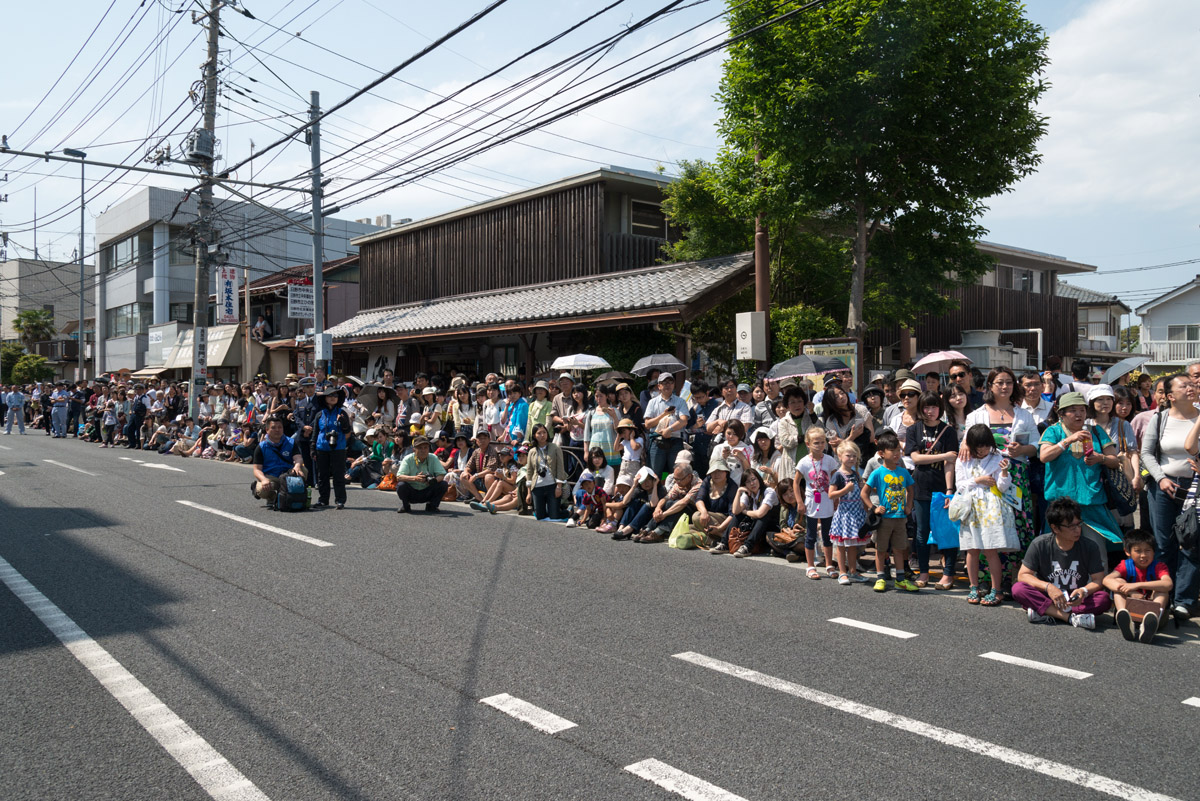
<point>331,427</point>
<point>545,474</point>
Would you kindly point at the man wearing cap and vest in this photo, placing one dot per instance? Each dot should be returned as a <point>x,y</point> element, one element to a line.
<point>421,478</point>
<point>667,415</point>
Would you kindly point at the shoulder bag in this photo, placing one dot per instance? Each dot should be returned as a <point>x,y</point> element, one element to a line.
<point>1187,525</point>
<point>1118,489</point>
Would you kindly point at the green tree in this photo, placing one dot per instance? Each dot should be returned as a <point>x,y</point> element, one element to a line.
<point>887,122</point>
<point>31,367</point>
<point>1131,337</point>
<point>34,325</point>
<point>9,353</point>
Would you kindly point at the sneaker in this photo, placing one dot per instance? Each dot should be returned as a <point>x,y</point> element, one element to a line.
<point>742,553</point>
<point>880,585</point>
<point>844,580</point>
<point>720,547</point>
<point>795,557</point>
<point>570,523</point>
<point>1181,612</point>
<point>340,506</point>
<point>405,509</point>
<point>1149,627</point>
<point>479,507</point>
<point>1034,617</point>
<point>907,585</point>
<point>859,578</point>
<point>604,528</point>
<point>1125,624</point>
<point>1083,621</point>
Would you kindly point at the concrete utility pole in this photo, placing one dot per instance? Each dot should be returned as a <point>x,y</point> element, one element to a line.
<point>79,154</point>
<point>202,152</point>
<point>322,350</point>
<point>762,272</point>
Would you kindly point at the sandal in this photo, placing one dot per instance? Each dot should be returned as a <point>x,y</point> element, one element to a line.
<point>943,586</point>
<point>993,598</point>
<point>813,574</point>
<point>973,595</point>
<point>832,571</point>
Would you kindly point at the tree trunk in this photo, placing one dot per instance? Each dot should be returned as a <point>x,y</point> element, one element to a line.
<point>855,327</point>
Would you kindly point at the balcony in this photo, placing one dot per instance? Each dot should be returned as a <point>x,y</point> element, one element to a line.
<point>1162,351</point>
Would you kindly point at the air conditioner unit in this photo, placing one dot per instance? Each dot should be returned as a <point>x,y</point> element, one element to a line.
<point>384,221</point>
<point>199,145</point>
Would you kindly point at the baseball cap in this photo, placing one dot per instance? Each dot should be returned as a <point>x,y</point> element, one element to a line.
<point>587,475</point>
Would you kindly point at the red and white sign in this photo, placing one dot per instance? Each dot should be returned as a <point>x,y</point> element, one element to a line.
<point>301,300</point>
<point>227,286</point>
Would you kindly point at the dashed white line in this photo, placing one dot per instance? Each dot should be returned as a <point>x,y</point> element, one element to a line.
<point>1035,764</point>
<point>535,716</point>
<point>70,467</point>
<point>155,465</point>
<point>1192,701</point>
<point>680,783</point>
<point>5,448</point>
<point>213,772</point>
<point>858,624</point>
<point>1045,667</point>
<point>247,521</point>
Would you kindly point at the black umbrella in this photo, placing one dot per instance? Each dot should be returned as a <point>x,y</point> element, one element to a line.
<point>368,396</point>
<point>614,375</point>
<point>663,362</point>
<point>806,365</point>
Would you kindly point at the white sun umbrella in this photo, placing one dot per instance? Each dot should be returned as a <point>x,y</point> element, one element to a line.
<point>580,361</point>
<point>938,361</point>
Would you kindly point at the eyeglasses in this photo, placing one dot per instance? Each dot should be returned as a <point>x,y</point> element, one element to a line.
<point>1002,383</point>
<point>1078,524</point>
<point>958,375</point>
<point>907,395</point>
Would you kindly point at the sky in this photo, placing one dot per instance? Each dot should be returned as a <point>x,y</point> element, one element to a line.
<point>1117,186</point>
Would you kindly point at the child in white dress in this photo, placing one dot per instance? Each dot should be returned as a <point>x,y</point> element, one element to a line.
<point>991,526</point>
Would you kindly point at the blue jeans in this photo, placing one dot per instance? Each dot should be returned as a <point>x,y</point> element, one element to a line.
<point>58,421</point>
<point>545,503</point>
<point>1184,565</point>
<point>663,452</point>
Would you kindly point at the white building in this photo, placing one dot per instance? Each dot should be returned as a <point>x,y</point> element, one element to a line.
<point>146,266</point>
<point>1170,327</point>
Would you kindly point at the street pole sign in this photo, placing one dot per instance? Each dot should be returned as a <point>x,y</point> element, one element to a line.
<point>227,296</point>
<point>301,298</point>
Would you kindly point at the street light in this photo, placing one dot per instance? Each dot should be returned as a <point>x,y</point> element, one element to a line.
<point>79,154</point>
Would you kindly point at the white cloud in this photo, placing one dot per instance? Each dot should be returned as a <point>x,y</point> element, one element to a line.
<point>1124,113</point>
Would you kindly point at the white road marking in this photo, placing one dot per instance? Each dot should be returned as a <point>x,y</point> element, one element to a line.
<point>155,465</point>
<point>680,783</point>
<point>5,448</point>
<point>69,467</point>
<point>535,716</point>
<point>1192,701</point>
<point>213,772</point>
<point>858,624</point>
<point>1055,770</point>
<point>282,532</point>
<point>1043,666</point>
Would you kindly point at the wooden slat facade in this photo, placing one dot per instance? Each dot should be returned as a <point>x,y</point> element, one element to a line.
<point>539,240</point>
<point>990,307</point>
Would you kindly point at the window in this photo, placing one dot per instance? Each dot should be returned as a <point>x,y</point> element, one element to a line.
<point>125,321</point>
<point>647,219</point>
<point>1183,333</point>
<point>49,307</point>
<point>180,313</point>
<point>180,248</point>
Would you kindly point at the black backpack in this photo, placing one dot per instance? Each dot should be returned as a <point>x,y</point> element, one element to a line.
<point>293,497</point>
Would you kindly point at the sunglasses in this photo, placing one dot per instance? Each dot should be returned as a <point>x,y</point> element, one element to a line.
<point>958,375</point>
<point>909,395</point>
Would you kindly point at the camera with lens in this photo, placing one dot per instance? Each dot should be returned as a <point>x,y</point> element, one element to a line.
<point>542,471</point>
<point>332,439</point>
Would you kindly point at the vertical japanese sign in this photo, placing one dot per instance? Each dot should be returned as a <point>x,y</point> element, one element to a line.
<point>227,286</point>
<point>301,300</point>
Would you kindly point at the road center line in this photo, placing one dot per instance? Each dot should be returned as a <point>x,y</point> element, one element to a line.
<point>1042,666</point>
<point>213,772</point>
<point>678,782</point>
<point>858,624</point>
<point>69,467</point>
<point>1192,701</point>
<point>155,465</point>
<point>1035,764</point>
<point>535,716</point>
<point>280,531</point>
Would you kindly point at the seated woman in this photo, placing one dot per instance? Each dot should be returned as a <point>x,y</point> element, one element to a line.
<point>634,494</point>
<point>756,510</point>
<point>502,494</point>
<point>653,522</point>
<point>714,506</point>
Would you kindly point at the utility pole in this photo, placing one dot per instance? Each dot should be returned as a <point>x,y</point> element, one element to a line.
<point>322,349</point>
<point>201,151</point>
<point>79,154</point>
<point>762,270</point>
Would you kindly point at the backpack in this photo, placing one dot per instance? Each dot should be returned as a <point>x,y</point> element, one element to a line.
<point>294,496</point>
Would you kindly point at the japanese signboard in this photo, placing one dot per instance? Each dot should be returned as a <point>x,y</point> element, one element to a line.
<point>848,350</point>
<point>227,307</point>
<point>301,301</point>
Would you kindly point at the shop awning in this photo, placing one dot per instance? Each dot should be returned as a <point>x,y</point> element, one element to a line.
<point>665,293</point>
<point>149,372</point>
<point>224,348</point>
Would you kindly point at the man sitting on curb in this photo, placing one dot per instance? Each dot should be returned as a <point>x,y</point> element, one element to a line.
<point>420,478</point>
<point>274,458</point>
<point>1062,575</point>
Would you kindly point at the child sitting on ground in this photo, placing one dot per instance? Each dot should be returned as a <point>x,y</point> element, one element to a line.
<point>1141,577</point>
<point>893,484</point>
<point>590,509</point>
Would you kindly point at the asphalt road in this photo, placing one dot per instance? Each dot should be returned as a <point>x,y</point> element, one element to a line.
<point>357,670</point>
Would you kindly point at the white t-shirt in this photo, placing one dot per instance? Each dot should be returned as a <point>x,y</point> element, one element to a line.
<point>816,475</point>
<point>628,453</point>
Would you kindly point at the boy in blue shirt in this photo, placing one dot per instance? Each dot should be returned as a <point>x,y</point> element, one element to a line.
<point>893,485</point>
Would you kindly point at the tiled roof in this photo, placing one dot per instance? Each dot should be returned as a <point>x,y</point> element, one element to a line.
<point>299,271</point>
<point>651,288</point>
<point>1082,295</point>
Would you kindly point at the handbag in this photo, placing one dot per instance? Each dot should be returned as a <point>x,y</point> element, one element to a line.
<point>943,532</point>
<point>1187,524</point>
<point>1118,489</point>
<point>961,510</point>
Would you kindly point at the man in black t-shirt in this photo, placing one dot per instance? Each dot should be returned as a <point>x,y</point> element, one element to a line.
<point>1061,577</point>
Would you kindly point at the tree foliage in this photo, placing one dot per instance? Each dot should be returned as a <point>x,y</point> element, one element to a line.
<point>30,368</point>
<point>34,325</point>
<point>10,352</point>
<point>886,123</point>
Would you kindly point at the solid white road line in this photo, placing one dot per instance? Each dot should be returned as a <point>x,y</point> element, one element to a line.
<point>535,716</point>
<point>213,772</point>
<point>1043,666</point>
<point>1055,770</point>
<point>69,467</point>
<point>680,783</point>
<point>155,465</point>
<point>282,532</point>
<point>858,624</point>
<point>5,448</point>
<point>1192,701</point>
